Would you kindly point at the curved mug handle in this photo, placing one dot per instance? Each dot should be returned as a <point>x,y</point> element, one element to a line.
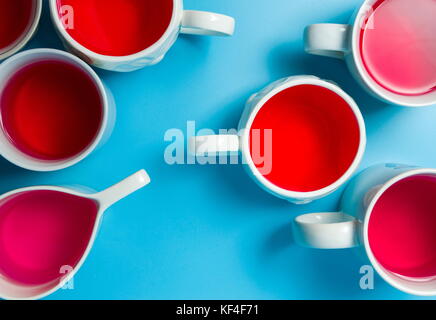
<point>207,23</point>
<point>328,39</point>
<point>326,230</point>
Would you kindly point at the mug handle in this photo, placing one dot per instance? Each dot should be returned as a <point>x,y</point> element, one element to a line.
<point>207,23</point>
<point>213,144</point>
<point>122,189</point>
<point>335,230</point>
<point>328,39</point>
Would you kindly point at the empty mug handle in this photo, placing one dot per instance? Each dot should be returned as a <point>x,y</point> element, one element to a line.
<point>213,144</point>
<point>328,39</point>
<point>326,230</point>
<point>207,23</point>
<point>122,189</point>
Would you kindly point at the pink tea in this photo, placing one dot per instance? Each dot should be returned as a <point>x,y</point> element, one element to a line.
<point>118,27</point>
<point>402,227</point>
<point>15,18</point>
<point>42,233</point>
<point>398,45</point>
<point>51,110</point>
<point>315,137</point>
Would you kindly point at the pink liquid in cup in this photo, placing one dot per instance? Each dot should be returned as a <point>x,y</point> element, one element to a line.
<point>402,228</point>
<point>15,18</point>
<point>118,27</point>
<point>315,137</point>
<point>398,45</point>
<point>42,231</point>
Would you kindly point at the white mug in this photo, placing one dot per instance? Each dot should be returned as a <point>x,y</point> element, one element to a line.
<point>182,21</point>
<point>28,33</point>
<point>10,152</point>
<point>349,227</point>
<point>217,144</point>
<point>104,199</point>
<point>343,41</point>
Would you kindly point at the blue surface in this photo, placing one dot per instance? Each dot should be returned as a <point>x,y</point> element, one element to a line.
<point>209,232</point>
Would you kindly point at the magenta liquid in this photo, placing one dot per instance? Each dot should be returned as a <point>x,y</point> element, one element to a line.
<point>402,227</point>
<point>41,231</point>
<point>398,45</point>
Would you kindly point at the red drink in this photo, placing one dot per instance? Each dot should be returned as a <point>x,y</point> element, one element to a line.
<point>51,110</point>
<point>118,27</point>
<point>315,137</point>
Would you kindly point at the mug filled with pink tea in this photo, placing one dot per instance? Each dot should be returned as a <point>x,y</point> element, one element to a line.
<point>390,47</point>
<point>389,210</point>
<point>54,110</point>
<point>300,138</point>
<point>19,20</point>
<point>125,35</point>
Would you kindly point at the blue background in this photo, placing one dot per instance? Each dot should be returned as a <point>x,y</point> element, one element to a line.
<point>209,232</point>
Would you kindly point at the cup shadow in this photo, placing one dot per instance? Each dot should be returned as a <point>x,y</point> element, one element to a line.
<point>14,177</point>
<point>46,34</point>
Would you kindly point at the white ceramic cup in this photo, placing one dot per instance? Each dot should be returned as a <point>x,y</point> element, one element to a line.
<point>349,227</point>
<point>104,199</point>
<point>343,41</point>
<point>15,63</point>
<point>182,21</point>
<point>27,34</point>
<point>216,144</point>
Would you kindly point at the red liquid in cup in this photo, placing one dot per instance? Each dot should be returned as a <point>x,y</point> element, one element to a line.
<point>315,137</point>
<point>51,110</point>
<point>15,18</point>
<point>41,232</point>
<point>118,27</point>
<point>398,45</point>
<point>402,227</point>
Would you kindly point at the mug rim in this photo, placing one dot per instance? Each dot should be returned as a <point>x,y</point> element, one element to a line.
<point>27,35</point>
<point>177,8</point>
<point>19,158</point>
<point>311,195</point>
<point>384,273</point>
<point>85,254</point>
<point>385,94</point>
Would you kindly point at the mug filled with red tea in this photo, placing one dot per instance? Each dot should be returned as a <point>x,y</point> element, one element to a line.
<point>390,211</point>
<point>390,47</point>
<point>125,35</point>
<point>18,22</point>
<point>300,138</point>
<point>54,110</point>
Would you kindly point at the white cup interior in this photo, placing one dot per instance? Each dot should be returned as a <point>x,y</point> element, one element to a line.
<point>417,286</point>
<point>405,100</point>
<point>7,70</point>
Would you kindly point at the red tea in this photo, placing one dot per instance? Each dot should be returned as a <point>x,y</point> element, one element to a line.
<point>315,137</point>
<point>118,27</point>
<point>51,110</point>
<point>398,45</point>
<point>15,18</point>
<point>402,228</point>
